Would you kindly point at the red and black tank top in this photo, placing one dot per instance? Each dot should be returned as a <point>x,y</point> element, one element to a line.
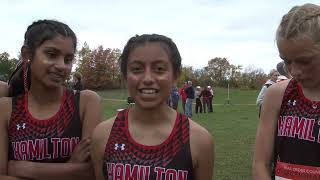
<point>297,141</point>
<point>126,159</point>
<point>51,140</point>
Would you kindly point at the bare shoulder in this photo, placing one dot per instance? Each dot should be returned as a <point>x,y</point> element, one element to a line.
<point>89,101</point>
<point>5,108</point>
<point>5,103</point>
<point>102,131</point>
<point>88,95</point>
<point>199,134</point>
<point>4,89</point>
<point>202,146</point>
<point>278,89</point>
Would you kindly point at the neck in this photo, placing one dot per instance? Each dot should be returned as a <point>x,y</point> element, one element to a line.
<point>152,116</point>
<point>44,95</point>
<point>311,93</point>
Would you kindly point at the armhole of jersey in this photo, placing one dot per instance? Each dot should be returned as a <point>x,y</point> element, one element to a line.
<point>185,118</point>
<point>121,113</point>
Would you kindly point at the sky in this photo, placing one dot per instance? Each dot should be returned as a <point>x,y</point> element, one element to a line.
<point>243,31</point>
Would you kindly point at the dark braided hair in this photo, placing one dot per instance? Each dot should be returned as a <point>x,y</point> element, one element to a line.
<point>137,40</point>
<point>37,33</point>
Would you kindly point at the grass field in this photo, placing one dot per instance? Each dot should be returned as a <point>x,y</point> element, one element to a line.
<point>232,126</point>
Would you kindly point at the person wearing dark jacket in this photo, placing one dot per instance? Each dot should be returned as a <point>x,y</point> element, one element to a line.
<point>77,81</point>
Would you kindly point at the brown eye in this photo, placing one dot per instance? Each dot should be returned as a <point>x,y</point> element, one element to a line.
<point>160,69</point>
<point>51,54</point>
<point>68,61</point>
<point>136,69</point>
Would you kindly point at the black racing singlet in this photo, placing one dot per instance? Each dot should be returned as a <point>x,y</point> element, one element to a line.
<point>50,140</point>
<point>126,159</point>
<point>297,144</point>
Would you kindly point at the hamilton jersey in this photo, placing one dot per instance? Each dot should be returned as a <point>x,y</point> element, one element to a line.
<point>297,142</point>
<point>49,140</point>
<point>126,159</point>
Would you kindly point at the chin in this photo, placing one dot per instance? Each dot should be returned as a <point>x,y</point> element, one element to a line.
<point>148,105</point>
<point>54,85</point>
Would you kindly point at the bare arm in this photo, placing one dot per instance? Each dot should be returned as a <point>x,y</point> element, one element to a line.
<point>5,110</point>
<point>263,152</point>
<point>99,141</point>
<point>202,150</point>
<point>51,171</point>
<point>91,108</point>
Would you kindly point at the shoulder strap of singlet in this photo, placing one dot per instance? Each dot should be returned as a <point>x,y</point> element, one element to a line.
<point>77,103</point>
<point>15,100</point>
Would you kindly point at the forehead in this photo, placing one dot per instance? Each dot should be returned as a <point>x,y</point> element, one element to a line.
<point>149,52</point>
<point>61,43</point>
<point>292,49</point>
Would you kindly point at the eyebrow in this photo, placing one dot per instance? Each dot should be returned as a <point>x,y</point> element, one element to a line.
<point>52,48</point>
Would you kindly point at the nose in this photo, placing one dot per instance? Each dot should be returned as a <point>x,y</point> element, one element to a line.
<point>148,77</point>
<point>60,63</point>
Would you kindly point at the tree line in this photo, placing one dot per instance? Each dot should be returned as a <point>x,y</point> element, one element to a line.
<point>100,68</point>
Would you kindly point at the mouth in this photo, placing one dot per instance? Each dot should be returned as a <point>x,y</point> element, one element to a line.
<point>56,76</point>
<point>148,91</point>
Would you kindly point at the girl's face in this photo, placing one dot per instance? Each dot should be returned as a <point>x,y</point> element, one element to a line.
<point>302,58</point>
<point>274,76</point>
<point>52,61</point>
<point>150,75</point>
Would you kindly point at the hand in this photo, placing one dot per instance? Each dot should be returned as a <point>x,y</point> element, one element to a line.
<point>81,153</point>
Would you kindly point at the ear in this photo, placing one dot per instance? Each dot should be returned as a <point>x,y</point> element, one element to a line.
<point>25,53</point>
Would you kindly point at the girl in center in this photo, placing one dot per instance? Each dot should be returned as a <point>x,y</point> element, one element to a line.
<point>151,140</point>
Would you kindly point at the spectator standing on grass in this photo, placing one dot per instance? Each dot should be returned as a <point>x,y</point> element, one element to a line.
<point>211,98</point>
<point>190,96</point>
<point>273,79</point>
<point>205,94</point>
<point>175,97</point>
<point>198,107</point>
<point>183,96</point>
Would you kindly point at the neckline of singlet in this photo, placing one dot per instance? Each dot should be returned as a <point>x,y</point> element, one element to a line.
<point>63,98</point>
<point>315,104</point>
<point>166,141</point>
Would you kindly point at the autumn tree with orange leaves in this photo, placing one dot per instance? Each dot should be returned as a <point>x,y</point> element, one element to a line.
<point>99,67</point>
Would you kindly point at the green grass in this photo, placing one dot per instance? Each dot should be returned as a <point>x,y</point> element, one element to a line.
<point>232,126</point>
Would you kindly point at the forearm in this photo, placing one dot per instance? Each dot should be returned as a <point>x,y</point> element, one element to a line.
<point>261,172</point>
<point>2,177</point>
<point>53,171</point>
